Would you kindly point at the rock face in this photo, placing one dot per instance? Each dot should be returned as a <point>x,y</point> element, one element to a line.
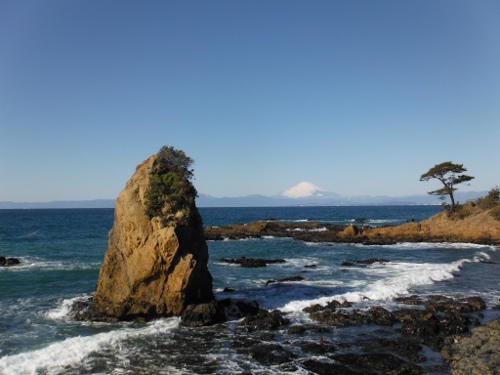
<point>150,268</point>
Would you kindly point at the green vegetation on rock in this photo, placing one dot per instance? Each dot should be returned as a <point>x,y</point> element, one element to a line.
<point>171,191</point>
<point>490,203</point>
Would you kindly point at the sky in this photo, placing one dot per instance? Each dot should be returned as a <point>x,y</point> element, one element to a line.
<point>357,97</point>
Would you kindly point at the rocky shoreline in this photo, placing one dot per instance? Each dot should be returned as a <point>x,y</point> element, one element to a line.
<point>433,322</point>
<point>397,346</point>
<point>438,228</point>
<point>439,323</point>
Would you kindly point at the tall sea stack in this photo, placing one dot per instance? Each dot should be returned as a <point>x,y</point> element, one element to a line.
<point>156,263</point>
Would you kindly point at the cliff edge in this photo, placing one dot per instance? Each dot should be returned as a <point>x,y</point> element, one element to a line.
<point>152,267</point>
<point>479,226</point>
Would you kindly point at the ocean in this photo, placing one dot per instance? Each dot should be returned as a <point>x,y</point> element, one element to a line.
<point>61,251</point>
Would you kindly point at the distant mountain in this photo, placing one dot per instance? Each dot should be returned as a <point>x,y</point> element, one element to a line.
<point>308,194</point>
<point>305,196</point>
<point>303,190</point>
<point>95,203</point>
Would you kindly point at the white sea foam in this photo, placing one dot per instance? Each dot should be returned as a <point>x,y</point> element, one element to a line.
<point>30,263</point>
<point>322,229</point>
<point>62,311</point>
<point>393,279</point>
<point>51,359</point>
<point>482,256</point>
<point>439,245</point>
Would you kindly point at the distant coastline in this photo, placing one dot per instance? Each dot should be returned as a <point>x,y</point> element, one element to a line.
<point>94,203</point>
<point>207,201</point>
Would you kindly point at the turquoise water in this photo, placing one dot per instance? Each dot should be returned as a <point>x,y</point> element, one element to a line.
<point>62,250</point>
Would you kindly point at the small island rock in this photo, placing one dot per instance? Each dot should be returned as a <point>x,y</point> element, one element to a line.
<point>153,268</point>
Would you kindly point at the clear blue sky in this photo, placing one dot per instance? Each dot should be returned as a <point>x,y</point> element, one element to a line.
<point>358,97</point>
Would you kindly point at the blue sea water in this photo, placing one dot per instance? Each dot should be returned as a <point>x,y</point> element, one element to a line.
<point>62,250</point>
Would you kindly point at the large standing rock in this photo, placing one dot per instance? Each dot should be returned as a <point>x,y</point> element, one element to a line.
<point>151,268</point>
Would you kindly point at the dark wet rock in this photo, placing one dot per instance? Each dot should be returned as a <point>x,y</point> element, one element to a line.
<point>252,262</point>
<point>310,266</point>
<point>82,311</point>
<point>330,306</point>
<point>272,228</point>
<point>8,262</point>
<point>452,323</point>
<point>300,329</point>
<point>247,308</point>
<point>384,363</point>
<point>340,318</point>
<point>238,308</point>
<point>317,348</point>
<point>442,303</point>
<point>245,343</point>
<point>371,261</point>
<point>347,263</point>
<point>378,241</point>
<point>417,322</point>
<point>286,279</point>
<point>203,314</point>
<point>271,354</point>
<point>229,290</point>
<point>265,320</point>
<point>328,368</point>
<point>443,317</point>
<point>361,220</point>
<point>313,309</point>
<point>364,262</point>
<point>411,300</point>
<point>407,347</point>
<point>379,315</point>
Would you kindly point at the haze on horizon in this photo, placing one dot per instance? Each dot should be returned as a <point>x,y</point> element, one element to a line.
<point>359,98</point>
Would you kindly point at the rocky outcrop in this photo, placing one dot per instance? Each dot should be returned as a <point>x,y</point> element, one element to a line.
<point>251,262</point>
<point>272,228</point>
<point>478,227</point>
<point>7,262</point>
<point>152,268</point>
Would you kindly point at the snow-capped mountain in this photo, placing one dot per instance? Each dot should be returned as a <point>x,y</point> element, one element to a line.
<point>303,190</point>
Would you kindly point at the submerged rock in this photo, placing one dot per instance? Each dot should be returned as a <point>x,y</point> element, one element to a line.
<point>7,262</point>
<point>265,320</point>
<point>203,314</point>
<point>385,363</point>
<point>271,354</point>
<point>155,266</point>
<point>252,262</point>
<point>364,262</point>
<point>327,368</point>
<point>286,279</point>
